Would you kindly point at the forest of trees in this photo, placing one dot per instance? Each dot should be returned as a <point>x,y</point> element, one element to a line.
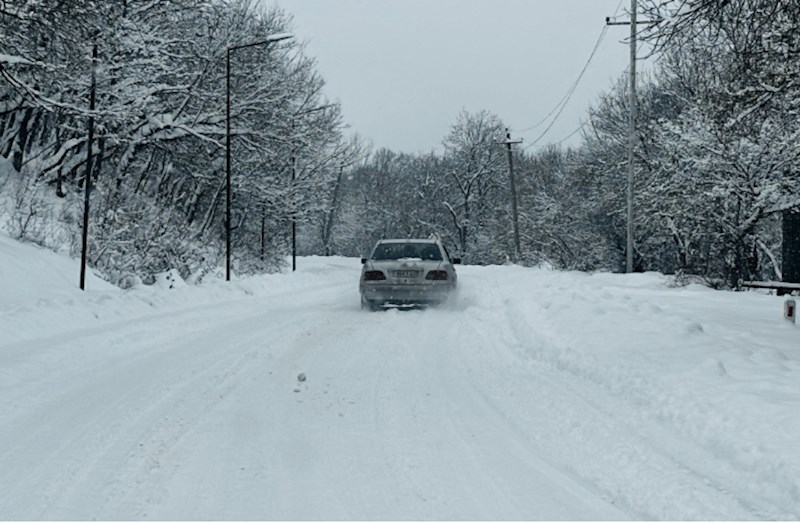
<point>716,157</point>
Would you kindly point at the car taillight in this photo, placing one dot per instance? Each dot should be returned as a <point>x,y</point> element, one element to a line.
<point>374,275</point>
<point>436,275</point>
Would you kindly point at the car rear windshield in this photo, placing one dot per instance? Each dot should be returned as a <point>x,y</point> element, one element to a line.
<point>392,251</point>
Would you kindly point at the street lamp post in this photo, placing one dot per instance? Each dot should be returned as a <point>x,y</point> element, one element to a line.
<point>229,192</point>
<point>294,175</point>
<point>87,185</point>
<point>294,222</point>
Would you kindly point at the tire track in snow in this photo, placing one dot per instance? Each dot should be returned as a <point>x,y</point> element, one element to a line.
<point>149,404</point>
<point>448,432</point>
<point>282,439</point>
<point>650,469</point>
<point>154,388</point>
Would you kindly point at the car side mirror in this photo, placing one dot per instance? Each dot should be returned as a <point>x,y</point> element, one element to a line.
<point>456,260</point>
<point>363,260</point>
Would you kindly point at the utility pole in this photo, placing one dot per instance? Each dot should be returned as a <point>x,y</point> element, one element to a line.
<point>631,129</point>
<point>87,185</point>
<point>515,217</point>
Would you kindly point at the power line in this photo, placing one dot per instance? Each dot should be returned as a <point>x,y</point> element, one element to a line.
<point>563,101</point>
<point>616,10</point>
<point>568,96</point>
<point>558,104</point>
<point>579,128</point>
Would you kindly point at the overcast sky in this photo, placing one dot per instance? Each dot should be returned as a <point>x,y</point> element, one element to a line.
<point>404,69</point>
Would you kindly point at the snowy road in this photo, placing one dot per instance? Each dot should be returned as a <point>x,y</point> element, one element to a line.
<point>480,410</point>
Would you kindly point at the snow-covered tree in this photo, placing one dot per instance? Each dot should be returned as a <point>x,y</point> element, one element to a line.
<point>160,123</point>
<point>477,169</point>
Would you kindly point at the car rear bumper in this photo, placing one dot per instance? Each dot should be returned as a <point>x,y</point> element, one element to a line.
<point>406,294</point>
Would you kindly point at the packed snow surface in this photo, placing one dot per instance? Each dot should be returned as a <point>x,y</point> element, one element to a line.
<point>533,395</point>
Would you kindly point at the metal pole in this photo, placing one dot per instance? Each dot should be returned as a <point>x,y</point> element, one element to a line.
<point>228,196</point>
<point>263,231</point>
<point>88,182</point>
<point>631,140</point>
<point>294,175</point>
<point>294,223</point>
<point>294,245</point>
<point>334,206</point>
<point>229,190</point>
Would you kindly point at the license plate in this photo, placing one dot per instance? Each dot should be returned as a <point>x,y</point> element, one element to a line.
<point>406,274</point>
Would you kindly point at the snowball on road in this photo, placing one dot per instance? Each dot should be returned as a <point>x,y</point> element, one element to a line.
<point>534,395</point>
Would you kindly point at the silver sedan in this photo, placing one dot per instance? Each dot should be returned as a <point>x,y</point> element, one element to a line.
<point>407,272</point>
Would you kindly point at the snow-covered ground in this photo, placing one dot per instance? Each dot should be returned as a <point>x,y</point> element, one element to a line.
<point>535,395</point>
